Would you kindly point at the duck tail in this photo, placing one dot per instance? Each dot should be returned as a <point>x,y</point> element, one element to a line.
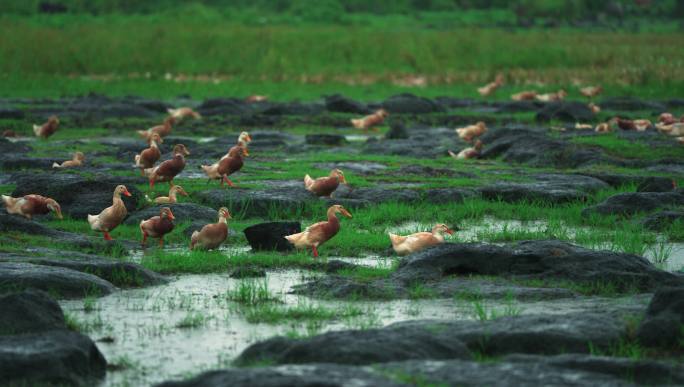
<point>92,220</point>
<point>308,181</point>
<point>55,165</point>
<point>357,123</point>
<point>395,239</point>
<point>194,239</point>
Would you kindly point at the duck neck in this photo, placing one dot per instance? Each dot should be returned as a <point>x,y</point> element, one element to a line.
<point>172,195</point>
<point>116,199</point>
<point>222,220</point>
<point>438,234</point>
<point>331,215</point>
<point>153,144</point>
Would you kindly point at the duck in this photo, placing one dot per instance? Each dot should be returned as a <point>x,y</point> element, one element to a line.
<point>676,129</point>
<point>163,130</point>
<point>468,153</point>
<point>468,133</point>
<point>319,233</point>
<point>580,126</point>
<point>404,245</point>
<point>527,95</point>
<point>591,91</point>
<point>76,161</point>
<point>666,119</point>
<point>171,199</point>
<point>596,109</point>
<point>30,205</point>
<point>551,97</point>
<point>256,98</point>
<point>624,124</point>
<point>489,88</point>
<point>48,128</point>
<point>167,170</point>
<point>157,226</point>
<point>112,216</point>
<point>183,112</point>
<point>325,186</point>
<point>680,140</point>
<point>149,156</point>
<point>370,121</point>
<point>603,127</point>
<point>212,235</point>
<point>243,140</point>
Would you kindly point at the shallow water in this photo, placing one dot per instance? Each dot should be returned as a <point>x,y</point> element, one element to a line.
<point>139,327</point>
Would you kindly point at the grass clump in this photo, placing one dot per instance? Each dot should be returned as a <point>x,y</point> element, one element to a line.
<point>192,320</point>
<point>275,314</point>
<point>251,292</point>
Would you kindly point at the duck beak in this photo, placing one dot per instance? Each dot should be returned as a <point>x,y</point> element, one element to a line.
<point>171,215</point>
<point>125,192</point>
<point>450,231</point>
<point>345,213</point>
<point>228,217</point>
<point>58,212</point>
<point>248,138</point>
<point>343,180</point>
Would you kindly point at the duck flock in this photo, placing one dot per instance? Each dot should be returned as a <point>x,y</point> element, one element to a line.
<point>213,235</point>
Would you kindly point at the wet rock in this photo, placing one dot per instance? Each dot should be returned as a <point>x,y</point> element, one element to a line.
<point>554,188</point>
<point>64,282</point>
<point>410,104</point>
<point>630,104</point>
<point>77,195</point>
<point>182,212</point>
<point>633,202</point>
<point>57,357</point>
<point>247,272</point>
<point>548,259</point>
<point>536,148</point>
<point>271,235</point>
<point>657,184</point>
<point>516,106</point>
<point>20,161</point>
<point>92,108</point>
<point>392,343</point>
<point>381,195</point>
<point>8,147</point>
<point>362,168</point>
<point>664,319</point>
<point>294,109</point>
<point>224,106</point>
<point>663,219</point>
<point>336,266</point>
<point>397,131</point>
<point>328,375</point>
<point>341,104</point>
<point>11,114</point>
<point>29,311</point>
<point>565,111</point>
<point>325,139</point>
<point>256,203</point>
<point>619,180</point>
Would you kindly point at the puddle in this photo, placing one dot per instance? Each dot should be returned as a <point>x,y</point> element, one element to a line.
<point>136,255</point>
<point>375,261</point>
<point>357,137</point>
<point>140,327</point>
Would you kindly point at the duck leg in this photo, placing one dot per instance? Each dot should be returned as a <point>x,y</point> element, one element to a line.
<point>144,241</point>
<point>161,243</point>
<point>227,180</point>
<point>315,251</point>
<point>107,237</point>
<point>151,182</point>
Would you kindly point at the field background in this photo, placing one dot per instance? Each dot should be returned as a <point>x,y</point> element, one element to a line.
<point>304,48</point>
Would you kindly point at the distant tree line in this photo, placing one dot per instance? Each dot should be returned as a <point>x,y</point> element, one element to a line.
<point>325,9</point>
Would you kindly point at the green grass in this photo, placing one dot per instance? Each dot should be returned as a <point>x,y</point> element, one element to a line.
<point>251,292</point>
<point>633,149</point>
<point>192,320</point>
<point>276,314</point>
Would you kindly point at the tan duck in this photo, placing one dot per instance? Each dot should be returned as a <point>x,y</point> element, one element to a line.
<point>212,235</point>
<point>171,199</point>
<point>370,121</point>
<point>666,119</point>
<point>527,95</point>
<point>149,156</point>
<point>680,140</point>
<point>112,216</point>
<point>468,153</point>
<point>489,88</point>
<point>157,226</point>
<point>162,130</point>
<point>596,109</point>
<point>591,91</point>
<point>167,170</point>
<point>184,112</point>
<point>47,129</point>
<point>325,186</point>
<point>603,127</point>
<point>256,98</point>
<point>551,97</point>
<point>30,205</point>
<point>470,132</point>
<point>76,161</point>
<point>404,245</point>
<point>317,234</point>
<point>676,129</point>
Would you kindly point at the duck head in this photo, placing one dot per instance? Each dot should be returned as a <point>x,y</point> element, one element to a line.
<point>224,214</point>
<point>339,209</point>
<point>121,190</point>
<point>339,174</point>
<point>53,206</point>
<point>180,149</point>
<point>443,228</point>
<point>165,213</point>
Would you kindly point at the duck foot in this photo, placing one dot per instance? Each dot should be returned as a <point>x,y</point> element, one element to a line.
<point>107,237</point>
<point>144,241</point>
<point>315,251</point>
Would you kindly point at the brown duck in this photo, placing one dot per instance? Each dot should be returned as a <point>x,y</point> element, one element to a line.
<point>47,129</point>
<point>162,130</point>
<point>167,170</point>
<point>149,156</point>
<point>325,186</point>
<point>212,235</point>
<point>30,205</point>
<point>112,216</point>
<point>157,226</point>
<point>319,233</point>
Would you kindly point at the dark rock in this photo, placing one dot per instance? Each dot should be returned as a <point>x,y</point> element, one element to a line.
<point>11,114</point>
<point>325,139</point>
<point>664,319</point>
<point>294,109</point>
<point>256,203</point>
<point>51,8</point>
<point>224,106</point>
<point>554,188</point>
<point>77,195</point>
<point>410,104</point>
<point>517,106</point>
<point>58,280</point>
<point>630,104</point>
<point>618,180</point>
<point>361,168</point>
<point>29,311</point>
<point>393,343</point>
<point>57,357</point>
<point>20,161</point>
<point>339,103</point>
<point>565,111</point>
<point>182,212</point>
<point>657,184</point>
<point>271,235</point>
<point>8,147</point>
<point>397,131</point>
<point>633,202</point>
<point>535,259</point>
<point>419,147</point>
<point>663,219</point>
<point>247,272</point>
<point>335,266</point>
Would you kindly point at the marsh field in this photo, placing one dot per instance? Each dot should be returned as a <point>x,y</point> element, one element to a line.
<point>566,262</point>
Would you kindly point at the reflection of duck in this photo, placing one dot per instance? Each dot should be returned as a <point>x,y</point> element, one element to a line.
<point>76,161</point>
<point>30,205</point>
<point>157,226</point>
<point>370,121</point>
<point>171,199</point>
<point>112,216</point>
<point>468,153</point>
<point>404,245</point>
<point>319,233</point>
<point>325,186</point>
<point>468,133</point>
<point>47,129</point>
<point>212,235</point>
<point>167,170</point>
